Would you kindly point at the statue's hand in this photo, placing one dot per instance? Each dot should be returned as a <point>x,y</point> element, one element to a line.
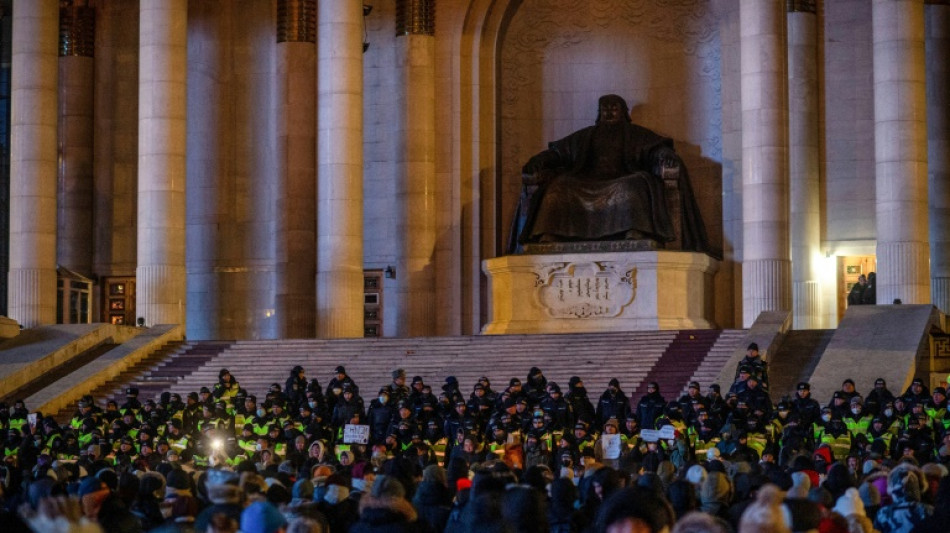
<point>539,177</point>
<point>667,158</point>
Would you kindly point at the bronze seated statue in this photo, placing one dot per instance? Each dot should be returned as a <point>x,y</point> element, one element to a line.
<point>611,181</point>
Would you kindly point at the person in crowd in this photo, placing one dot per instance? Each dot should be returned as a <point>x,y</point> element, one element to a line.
<point>217,462</point>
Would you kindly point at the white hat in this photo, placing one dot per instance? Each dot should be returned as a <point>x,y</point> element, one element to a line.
<point>850,503</point>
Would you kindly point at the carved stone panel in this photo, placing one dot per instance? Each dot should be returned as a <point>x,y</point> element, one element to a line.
<point>596,289</point>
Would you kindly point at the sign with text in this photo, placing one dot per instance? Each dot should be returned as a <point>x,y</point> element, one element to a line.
<point>612,446</point>
<point>355,434</point>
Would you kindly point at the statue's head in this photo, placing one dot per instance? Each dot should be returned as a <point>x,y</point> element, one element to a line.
<point>611,109</point>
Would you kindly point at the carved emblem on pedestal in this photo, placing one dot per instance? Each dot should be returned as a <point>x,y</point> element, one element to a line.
<point>597,289</point>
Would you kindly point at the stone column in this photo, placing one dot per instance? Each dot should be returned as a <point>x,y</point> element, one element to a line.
<point>414,294</point>
<point>34,78</point>
<point>340,169</point>
<point>938,158</point>
<point>160,275</point>
<point>766,265</point>
<point>295,121</point>
<point>74,232</point>
<point>900,146</point>
<point>805,226</point>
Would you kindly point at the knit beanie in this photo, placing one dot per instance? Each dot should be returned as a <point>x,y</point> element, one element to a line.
<point>849,503</point>
<point>696,475</point>
<point>801,484</point>
<point>388,486</point>
<point>435,474</point>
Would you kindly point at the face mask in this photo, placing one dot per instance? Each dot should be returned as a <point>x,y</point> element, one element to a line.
<point>826,418</point>
<point>888,412</point>
<point>383,399</point>
<point>856,411</point>
<point>261,413</point>
<point>313,405</point>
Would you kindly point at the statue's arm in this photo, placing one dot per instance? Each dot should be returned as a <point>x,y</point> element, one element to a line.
<point>537,170</point>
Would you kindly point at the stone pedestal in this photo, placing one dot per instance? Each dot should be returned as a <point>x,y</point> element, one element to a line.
<point>600,291</point>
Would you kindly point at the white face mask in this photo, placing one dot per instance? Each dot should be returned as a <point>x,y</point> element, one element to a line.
<point>383,398</point>
<point>313,405</point>
<point>856,411</point>
<point>261,413</point>
<point>826,418</point>
<point>888,412</point>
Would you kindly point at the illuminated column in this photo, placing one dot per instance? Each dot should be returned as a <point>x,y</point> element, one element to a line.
<point>900,145</point>
<point>414,295</point>
<point>805,224</point>
<point>340,169</point>
<point>938,158</point>
<point>74,230</point>
<point>295,122</point>
<point>163,55</point>
<point>766,265</point>
<point>33,111</point>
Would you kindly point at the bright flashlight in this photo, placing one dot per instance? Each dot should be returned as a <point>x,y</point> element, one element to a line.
<point>216,444</point>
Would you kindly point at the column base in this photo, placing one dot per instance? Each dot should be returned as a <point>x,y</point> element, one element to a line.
<point>32,296</point>
<point>766,286</point>
<point>806,302</point>
<point>903,272</point>
<point>160,294</point>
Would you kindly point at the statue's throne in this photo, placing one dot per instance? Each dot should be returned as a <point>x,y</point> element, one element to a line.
<point>672,177</point>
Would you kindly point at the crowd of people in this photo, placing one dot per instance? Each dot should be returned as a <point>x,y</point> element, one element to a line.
<point>526,456</point>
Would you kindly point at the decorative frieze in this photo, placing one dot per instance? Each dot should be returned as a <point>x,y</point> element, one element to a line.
<point>415,17</point>
<point>595,289</point>
<point>297,21</point>
<point>77,29</point>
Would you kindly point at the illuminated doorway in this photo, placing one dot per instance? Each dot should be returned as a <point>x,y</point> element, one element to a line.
<point>850,268</point>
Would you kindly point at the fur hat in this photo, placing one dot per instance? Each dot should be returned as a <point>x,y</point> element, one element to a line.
<point>905,482</point>
<point>869,495</point>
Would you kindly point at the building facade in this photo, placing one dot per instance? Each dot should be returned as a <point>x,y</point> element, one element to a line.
<point>335,168</point>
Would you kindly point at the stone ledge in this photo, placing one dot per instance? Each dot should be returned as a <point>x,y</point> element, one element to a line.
<point>39,350</point>
<point>63,392</point>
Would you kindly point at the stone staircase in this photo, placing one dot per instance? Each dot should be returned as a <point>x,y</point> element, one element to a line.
<point>682,359</point>
<point>595,357</point>
<point>671,357</point>
<point>717,357</point>
<point>154,374</point>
